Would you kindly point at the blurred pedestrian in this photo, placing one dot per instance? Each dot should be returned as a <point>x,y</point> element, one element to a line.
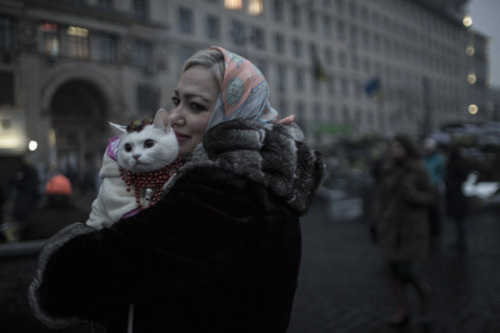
<point>25,192</point>
<point>435,164</point>
<point>401,227</point>
<point>456,202</point>
<point>3,225</point>
<point>58,211</point>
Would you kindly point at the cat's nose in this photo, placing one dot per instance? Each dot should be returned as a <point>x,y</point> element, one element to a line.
<point>136,156</point>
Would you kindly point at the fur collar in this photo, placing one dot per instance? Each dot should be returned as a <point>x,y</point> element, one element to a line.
<point>271,154</point>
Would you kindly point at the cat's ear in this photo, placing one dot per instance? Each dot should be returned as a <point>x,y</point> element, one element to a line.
<point>161,120</point>
<point>117,130</point>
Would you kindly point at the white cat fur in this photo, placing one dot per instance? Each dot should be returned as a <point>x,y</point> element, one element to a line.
<point>113,200</point>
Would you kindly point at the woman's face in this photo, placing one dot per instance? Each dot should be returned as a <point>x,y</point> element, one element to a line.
<point>397,150</point>
<point>194,100</point>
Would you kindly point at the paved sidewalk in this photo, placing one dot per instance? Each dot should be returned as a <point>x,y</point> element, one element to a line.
<point>344,287</point>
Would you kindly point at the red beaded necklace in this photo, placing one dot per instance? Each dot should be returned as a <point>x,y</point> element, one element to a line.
<point>152,180</point>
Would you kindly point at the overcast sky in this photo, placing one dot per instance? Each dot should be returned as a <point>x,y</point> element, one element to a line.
<point>486,18</point>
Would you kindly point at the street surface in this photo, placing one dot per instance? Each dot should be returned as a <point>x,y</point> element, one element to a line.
<point>344,286</point>
<point>343,283</point>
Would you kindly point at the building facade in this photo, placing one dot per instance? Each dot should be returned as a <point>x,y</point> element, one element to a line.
<point>343,67</point>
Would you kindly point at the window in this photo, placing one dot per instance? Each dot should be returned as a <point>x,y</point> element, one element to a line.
<point>238,32</point>
<point>184,55</point>
<point>141,9</point>
<point>106,44</point>
<point>295,15</point>
<point>78,42</point>
<point>297,48</point>
<point>258,38</point>
<point>331,114</point>
<point>331,85</point>
<point>281,78</point>
<point>143,54</point>
<point>355,63</point>
<point>313,23</point>
<point>255,7</point>
<point>301,115</point>
<point>365,37</point>
<point>342,59</point>
<point>6,88</point>
<point>299,79</point>
<point>353,38</point>
<point>213,27</point>
<point>283,107</point>
<point>344,86</point>
<point>353,10</point>
<point>48,42</point>
<point>328,56</point>
<point>327,26</point>
<point>185,20</point>
<point>105,4</point>
<point>233,4</point>
<point>146,98</point>
<point>5,33</point>
<point>278,10</point>
<point>340,6</point>
<point>341,31</point>
<point>346,117</point>
<point>279,43</point>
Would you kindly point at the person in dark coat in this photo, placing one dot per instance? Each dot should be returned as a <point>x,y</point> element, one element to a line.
<point>58,212</point>
<point>26,194</point>
<point>456,202</point>
<point>220,252</point>
<point>403,194</point>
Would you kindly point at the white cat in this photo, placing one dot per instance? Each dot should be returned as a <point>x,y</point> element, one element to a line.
<point>136,165</point>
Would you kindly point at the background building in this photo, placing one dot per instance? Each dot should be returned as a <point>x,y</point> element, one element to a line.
<point>343,67</point>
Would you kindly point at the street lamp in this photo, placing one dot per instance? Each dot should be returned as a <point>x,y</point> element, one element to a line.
<point>32,145</point>
<point>473,109</point>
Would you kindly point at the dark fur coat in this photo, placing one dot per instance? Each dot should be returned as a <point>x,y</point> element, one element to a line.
<point>219,253</point>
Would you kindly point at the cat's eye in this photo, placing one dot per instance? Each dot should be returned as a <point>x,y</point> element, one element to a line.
<point>128,147</point>
<point>149,143</point>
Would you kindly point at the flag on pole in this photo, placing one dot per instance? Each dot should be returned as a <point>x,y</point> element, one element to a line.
<point>374,89</point>
<point>319,71</point>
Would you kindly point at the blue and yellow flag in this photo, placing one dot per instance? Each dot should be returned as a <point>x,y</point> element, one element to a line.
<point>374,89</point>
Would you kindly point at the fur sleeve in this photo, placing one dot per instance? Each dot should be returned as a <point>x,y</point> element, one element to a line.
<point>52,246</point>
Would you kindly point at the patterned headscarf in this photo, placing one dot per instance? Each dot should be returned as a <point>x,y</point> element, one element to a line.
<point>244,92</point>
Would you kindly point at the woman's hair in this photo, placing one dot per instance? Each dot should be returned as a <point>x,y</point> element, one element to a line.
<point>409,145</point>
<point>210,58</point>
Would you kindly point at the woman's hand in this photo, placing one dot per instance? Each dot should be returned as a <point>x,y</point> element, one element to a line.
<point>287,121</point>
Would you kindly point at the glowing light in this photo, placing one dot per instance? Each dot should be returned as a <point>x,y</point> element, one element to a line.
<point>255,7</point>
<point>233,4</point>
<point>470,50</point>
<point>467,21</point>
<point>52,137</point>
<point>32,145</point>
<point>12,142</point>
<point>473,109</point>
<point>471,78</point>
<point>76,31</point>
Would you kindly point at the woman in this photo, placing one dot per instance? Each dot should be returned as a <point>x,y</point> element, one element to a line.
<point>220,251</point>
<point>401,221</point>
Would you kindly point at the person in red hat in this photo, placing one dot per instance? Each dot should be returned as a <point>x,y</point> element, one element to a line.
<point>56,213</point>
